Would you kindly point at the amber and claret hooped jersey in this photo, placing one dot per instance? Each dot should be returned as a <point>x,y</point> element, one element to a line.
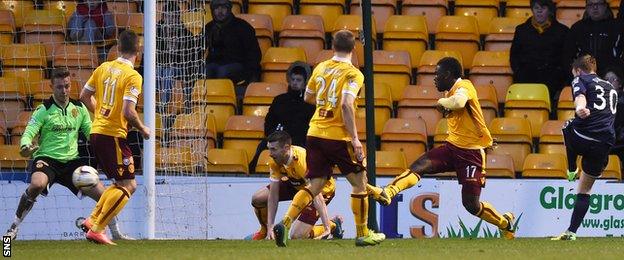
<point>330,81</point>
<point>295,171</point>
<point>466,127</point>
<point>113,82</point>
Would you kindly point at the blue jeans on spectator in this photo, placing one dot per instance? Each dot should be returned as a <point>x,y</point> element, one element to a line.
<point>165,79</point>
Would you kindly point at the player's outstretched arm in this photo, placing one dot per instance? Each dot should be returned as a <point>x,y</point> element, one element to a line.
<point>272,203</point>
<point>321,208</point>
<point>130,113</point>
<point>86,97</point>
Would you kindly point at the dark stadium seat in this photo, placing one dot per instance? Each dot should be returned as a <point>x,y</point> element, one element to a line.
<point>7,27</point>
<point>406,135</point>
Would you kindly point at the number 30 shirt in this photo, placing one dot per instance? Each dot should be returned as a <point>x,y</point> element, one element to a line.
<point>601,101</point>
<point>113,82</point>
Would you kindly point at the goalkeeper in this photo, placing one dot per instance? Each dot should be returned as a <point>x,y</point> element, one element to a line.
<point>57,123</point>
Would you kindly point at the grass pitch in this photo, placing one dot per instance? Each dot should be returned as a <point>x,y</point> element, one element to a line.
<point>542,248</point>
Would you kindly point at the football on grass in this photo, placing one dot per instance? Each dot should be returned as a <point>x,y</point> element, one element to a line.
<point>85,177</point>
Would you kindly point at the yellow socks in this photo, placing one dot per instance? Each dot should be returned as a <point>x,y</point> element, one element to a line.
<point>302,199</point>
<point>110,204</point>
<point>404,181</point>
<point>359,206</point>
<point>261,214</point>
<point>319,229</point>
<point>489,214</point>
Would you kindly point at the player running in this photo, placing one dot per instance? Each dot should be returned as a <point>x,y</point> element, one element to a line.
<point>57,123</point>
<point>111,94</point>
<point>463,151</point>
<point>590,134</point>
<point>287,175</point>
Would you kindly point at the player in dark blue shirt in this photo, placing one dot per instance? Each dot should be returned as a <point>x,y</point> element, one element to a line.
<point>589,134</point>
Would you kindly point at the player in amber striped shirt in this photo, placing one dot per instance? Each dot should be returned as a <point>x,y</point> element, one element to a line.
<point>463,151</point>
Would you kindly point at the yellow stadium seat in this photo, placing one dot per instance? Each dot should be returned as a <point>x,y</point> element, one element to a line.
<point>176,158</point>
<point>406,33</point>
<point>195,21</point>
<point>538,165</point>
<point>263,162</point>
<point>197,128</point>
<point>7,27</point>
<point>458,33</point>
<point>80,59</point>
<point>501,33</point>
<point>329,10</point>
<point>328,54</point>
<point>11,159</point>
<point>565,105</point>
<point>12,100</point>
<point>19,8</point>
<point>276,62</point>
<point>303,31</point>
<point>406,135</point>
<point>432,10</point>
<point>67,7</point>
<point>613,169</point>
<point>218,97</point>
<point>551,137</point>
<point>570,9</point>
<point>227,161</point>
<point>133,21</point>
<point>499,166</point>
<point>3,129</point>
<point>489,102</point>
<point>122,7</point>
<point>441,133</point>
<point>277,9</point>
<point>23,55</point>
<point>530,101</point>
<point>243,132</point>
<point>353,23</point>
<point>31,77</point>
<point>393,68</point>
<point>427,65</point>
<point>263,25</point>
<point>383,105</point>
<point>421,102</point>
<point>19,126</point>
<point>45,27</point>
<point>513,137</point>
<point>390,163</point>
<point>518,9</point>
<point>381,8</point>
<point>492,68</point>
<point>483,10</point>
<point>259,96</point>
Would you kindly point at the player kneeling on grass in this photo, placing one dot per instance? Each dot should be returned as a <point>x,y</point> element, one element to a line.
<point>287,174</point>
<point>590,134</point>
<point>463,151</point>
<point>57,122</point>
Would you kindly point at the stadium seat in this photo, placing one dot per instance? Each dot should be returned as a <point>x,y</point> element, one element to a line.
<point>427,65</point>
<point>390,163</point>
<point>406,135</point>
<point>10,158</point>
<point>23,55</point>
<point>31,77</point>
<point>501,33</point>
<point>263,25</point>
<point>383,105</point>
<point>67,7</point>
<point>570,9</point>
<point>122,7</point>
<point>303,31</point>
<point>19,8</point>
<point>196,130</point>
<point>530,101</point>
<point>393,68</point>
<point>277,9</point>
<point>613,169</point>
<point>3,128</point>
<point>382,9</point>
<point>243,132</point>
<point>491,68</point>
<point>488,101</point>
<point>432,10</point>
<point>218,97</point>
<point>276,61</point>
<point>227,161</point>
<point>421,102</point>
<point>133,21</point>
<point>328,54</point>
<point>458,33</point>
<point>441,133</point>
<point>483,10</point>
<point>263,162</point>
<point>538,165</point>
<point>7,27</point>
<point>513,137</point>
<point>18,127</point>
<point>79,59</point>
<point>353,23</point>
<point>406,33</point>
<point>518,9</point>
<point>329,10</point>
<point>12,100</point>
<point>195,21</point>
<point>176,159</point>
<point>499,166</point>
<point>565,105</point>
<point>46,27</point>
<point>551,137</point>
<point>259,96</point>
<point>360,125</point>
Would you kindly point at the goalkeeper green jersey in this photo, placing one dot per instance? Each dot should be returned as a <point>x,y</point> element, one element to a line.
<point>57,129</point>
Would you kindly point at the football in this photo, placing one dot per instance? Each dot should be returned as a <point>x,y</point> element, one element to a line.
<point>85,177</point>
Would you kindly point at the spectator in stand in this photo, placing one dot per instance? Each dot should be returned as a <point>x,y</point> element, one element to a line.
<point>597,34</point>
<point>289,112</point>
<point>535,55</point>
<point>615,75</point>
<point>92,23</point>
<point>232,50</point>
